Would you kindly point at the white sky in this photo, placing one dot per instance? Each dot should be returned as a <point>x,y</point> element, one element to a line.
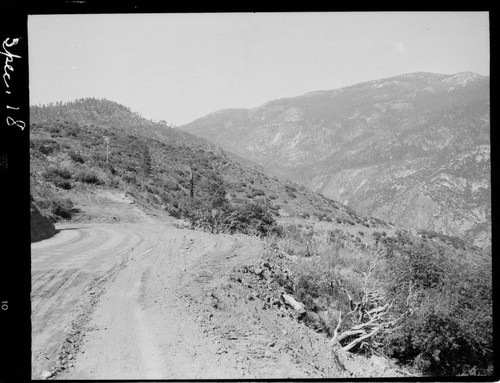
<point>178,67</point>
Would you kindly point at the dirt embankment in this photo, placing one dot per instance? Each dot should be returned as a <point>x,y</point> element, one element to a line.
<point>147,300</point>
<point>41,226</point>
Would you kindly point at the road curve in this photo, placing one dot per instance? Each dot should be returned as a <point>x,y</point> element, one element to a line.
<point>107,302</point>
<point>148,300</point>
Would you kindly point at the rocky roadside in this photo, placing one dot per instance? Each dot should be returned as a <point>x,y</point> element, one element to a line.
<point>248,312</point>
<point>231,292</point>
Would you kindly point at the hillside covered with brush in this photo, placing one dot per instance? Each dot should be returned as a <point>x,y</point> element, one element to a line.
<point>92,143</point>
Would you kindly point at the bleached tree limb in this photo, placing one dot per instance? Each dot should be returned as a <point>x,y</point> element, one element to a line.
<point>347,334</point>
<point>359,340</point>
<point>336,331</point>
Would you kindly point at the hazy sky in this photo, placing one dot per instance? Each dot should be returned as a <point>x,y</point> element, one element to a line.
<point>178,67</point>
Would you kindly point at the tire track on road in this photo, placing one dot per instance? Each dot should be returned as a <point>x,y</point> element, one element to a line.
<point>69,273</point>
<point>117,318</point>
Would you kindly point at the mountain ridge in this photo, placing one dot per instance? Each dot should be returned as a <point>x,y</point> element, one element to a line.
<point>402,122</point>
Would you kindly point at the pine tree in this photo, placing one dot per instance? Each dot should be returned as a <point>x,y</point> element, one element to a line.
<point>191,183</point>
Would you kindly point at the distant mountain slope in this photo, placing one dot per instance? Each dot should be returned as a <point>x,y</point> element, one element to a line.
<point>412,148</point>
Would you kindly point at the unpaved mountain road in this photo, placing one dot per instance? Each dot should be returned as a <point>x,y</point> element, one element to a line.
<point>67,272</point>
<point>142,299</point>
<point>135,300</point>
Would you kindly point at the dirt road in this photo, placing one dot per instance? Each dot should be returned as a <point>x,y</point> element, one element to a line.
<point>136,300</point>
<point>146,300</point>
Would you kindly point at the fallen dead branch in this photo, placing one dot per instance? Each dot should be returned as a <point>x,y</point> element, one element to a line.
<point>359,340</point>
<point>370,314</point>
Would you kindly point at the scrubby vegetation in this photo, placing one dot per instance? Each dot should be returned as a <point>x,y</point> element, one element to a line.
<point>426,304</point>
<point>215,213</point>
<point>56,207</point>
<point>447,296</point>
<point>60,177</point>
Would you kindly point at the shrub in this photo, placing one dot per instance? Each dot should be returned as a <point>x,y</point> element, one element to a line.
<point>46,149</point>
<point>449,328</point>
<point>57,207</point>
<point>440,341</point>
<point>56,172</point>
<point>44,145</point>
<point>63,208</point>
<point>54,130</point>
<point>257,192</point>
<point>210,210</point>
<point>247,218</point>
<point>130,178</point>
<point>171,185</point>
<point>107,166</point>
<point>313,282</point>
<point>64,184</point>
<point>59,177</point>
<point>71,131</point>
<point>254,218</point>
<point>77,157</point>
<point>89,178</point>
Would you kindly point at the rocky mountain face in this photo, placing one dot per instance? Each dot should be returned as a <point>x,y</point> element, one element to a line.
<point>412,149</point>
